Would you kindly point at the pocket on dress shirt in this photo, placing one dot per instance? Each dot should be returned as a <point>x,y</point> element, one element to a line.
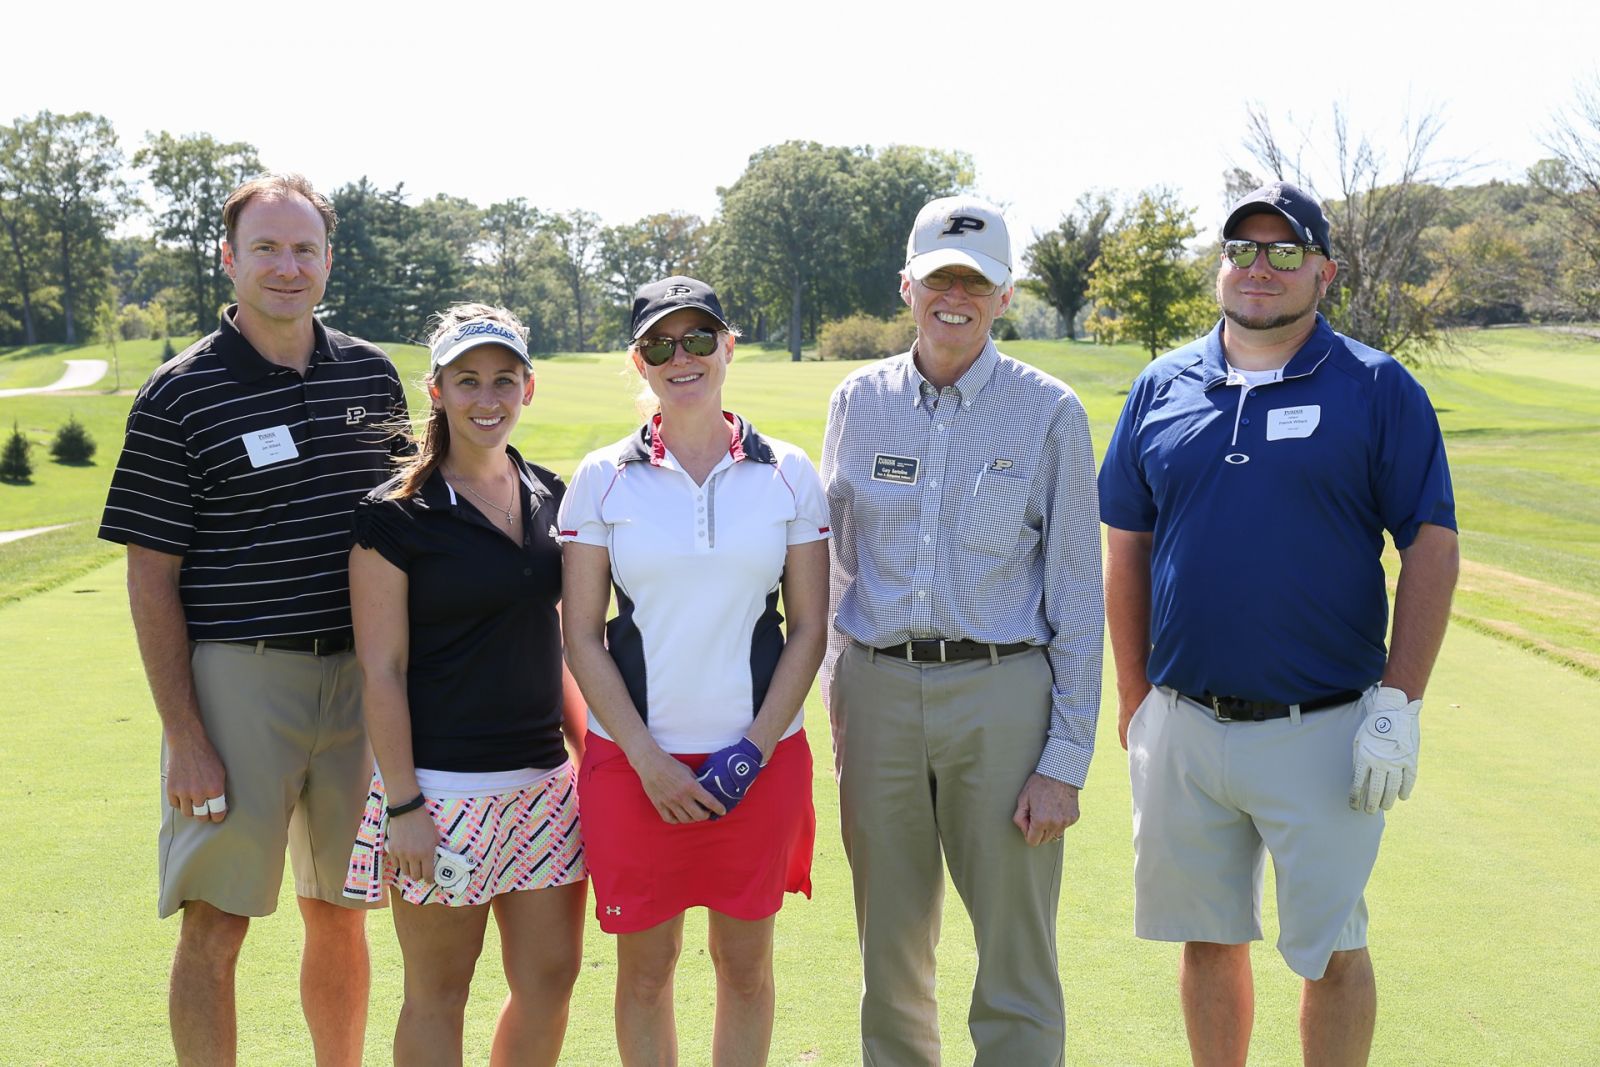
<point>991,517</point>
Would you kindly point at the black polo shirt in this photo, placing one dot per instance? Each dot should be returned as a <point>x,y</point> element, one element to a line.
<point>483,671</point>
<point>248,470</point>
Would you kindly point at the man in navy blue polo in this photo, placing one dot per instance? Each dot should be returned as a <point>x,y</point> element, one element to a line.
<point>1246,492</point>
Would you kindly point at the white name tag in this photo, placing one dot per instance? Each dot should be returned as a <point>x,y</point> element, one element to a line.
<point>269,446</point>
<point>1285,423</point>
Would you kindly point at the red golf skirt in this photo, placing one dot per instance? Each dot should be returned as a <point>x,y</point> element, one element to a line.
<point>646,871</point>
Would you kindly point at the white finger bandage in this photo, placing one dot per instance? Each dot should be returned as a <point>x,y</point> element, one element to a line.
<point>200,811</point>
<point>217,804</point>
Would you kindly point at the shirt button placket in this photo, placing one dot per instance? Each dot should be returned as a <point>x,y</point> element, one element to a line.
<point>937,451</point>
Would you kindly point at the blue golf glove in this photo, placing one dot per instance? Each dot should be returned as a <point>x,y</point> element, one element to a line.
<point>728,772</point>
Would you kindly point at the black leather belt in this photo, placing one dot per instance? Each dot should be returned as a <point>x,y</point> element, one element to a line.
<point>1238,709</point>
<point>935,651</point>
<point>324,644</point>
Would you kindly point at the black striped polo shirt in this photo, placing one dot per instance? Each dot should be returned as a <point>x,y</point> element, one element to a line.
<point>249,471</point>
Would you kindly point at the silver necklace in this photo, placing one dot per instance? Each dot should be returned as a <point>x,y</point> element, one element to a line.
<point>508,511</point>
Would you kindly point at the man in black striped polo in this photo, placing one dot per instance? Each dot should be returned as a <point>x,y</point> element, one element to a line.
<point>245,455</point>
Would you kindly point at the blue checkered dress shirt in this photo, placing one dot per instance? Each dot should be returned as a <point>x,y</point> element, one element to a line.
<point>970,512</point>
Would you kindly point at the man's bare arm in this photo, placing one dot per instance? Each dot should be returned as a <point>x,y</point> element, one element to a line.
<point>194,771</point>
<point>1128,617</point>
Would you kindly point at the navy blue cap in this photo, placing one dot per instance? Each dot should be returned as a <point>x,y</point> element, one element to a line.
<point>657,300</point>
<point>1302,213</point>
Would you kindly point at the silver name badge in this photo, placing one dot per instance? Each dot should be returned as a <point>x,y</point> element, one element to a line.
<point>902,470</point>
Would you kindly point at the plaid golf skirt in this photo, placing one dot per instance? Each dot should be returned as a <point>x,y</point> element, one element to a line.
<point>525,839</point>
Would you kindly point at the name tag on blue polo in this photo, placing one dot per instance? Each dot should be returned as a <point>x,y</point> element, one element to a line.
<point>902,470</point>
<point>1288,423</point>
<point>269,446</point>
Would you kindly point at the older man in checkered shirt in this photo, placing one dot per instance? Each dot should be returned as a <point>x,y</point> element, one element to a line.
<point>963,678</point>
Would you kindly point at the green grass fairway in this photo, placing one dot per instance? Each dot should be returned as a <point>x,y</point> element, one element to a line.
<point>1484,928</point>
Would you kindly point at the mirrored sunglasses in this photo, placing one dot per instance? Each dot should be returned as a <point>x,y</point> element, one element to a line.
<point>1281,255</point>
<point>657,351</point>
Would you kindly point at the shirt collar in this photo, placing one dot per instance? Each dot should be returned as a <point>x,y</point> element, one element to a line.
<point>242,360</point>
<point>647,446</point>
<point>436,494</point>
<point>968,386</point>
<point>1214,361</point>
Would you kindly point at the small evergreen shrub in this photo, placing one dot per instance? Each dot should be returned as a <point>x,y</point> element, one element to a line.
<point>15,464</point>
<point>72,444</point>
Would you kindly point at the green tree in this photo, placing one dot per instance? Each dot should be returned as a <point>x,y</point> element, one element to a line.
<point>108,330</point>
<point>1382,214</point>
<point>16,466</point>
<point>784,223</point>
<point>1572,181</point>
<point>438,259</point>
<point>1145,287</point>
<point>513,256</point>
<point>23,229</point>
<point>1059,260</point>
<point>193,174</point>
<point>1493,276</point>
<point>656,246</point>
<point>574,238</point>
<point>890,186</point>
<point>72,444</point>
<point>812,232</point>
<point>367,289</point>
<point>73,180</point>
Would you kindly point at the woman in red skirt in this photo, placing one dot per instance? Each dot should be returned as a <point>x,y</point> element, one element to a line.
<point>696,783</point>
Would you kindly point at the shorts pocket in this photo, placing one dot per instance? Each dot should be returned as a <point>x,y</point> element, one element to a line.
<point>991,518</point>
<point>1149,708</point>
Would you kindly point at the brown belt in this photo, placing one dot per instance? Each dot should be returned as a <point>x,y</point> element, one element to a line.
<point>936,651</point>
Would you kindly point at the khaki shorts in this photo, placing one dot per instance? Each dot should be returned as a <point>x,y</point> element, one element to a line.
<point>288,728</point>
<point>1212,799</point>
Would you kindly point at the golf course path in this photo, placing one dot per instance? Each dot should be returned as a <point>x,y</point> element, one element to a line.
<point>79,374</point>
<point>17,535</point>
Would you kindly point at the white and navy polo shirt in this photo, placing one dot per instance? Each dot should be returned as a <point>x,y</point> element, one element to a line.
<point>1300,478</point>
<point>696,570</point>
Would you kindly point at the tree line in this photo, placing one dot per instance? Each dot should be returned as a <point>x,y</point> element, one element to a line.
<point>808,235</point>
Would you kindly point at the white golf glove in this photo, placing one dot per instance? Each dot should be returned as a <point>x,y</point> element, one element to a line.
<point>1385,751</point>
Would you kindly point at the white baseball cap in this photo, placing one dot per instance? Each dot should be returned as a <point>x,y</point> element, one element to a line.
<point>472,333</point>
<point>960,231</point>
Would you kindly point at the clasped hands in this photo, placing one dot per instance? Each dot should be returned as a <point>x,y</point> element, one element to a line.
<point>683,796</point>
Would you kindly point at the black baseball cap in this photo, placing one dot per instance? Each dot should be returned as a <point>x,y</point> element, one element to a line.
<point>1302,212</point>
<point>657,300</point>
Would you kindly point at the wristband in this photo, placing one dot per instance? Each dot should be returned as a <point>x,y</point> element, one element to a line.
<point>411,805</point>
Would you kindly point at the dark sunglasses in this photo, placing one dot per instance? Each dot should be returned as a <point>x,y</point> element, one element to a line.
<point>657,351</point>
<point>1281,255</point>
<point>975,284</point>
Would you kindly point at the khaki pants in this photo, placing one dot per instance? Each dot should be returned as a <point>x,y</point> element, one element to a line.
<point>931,758</point>
<point>288,728</point>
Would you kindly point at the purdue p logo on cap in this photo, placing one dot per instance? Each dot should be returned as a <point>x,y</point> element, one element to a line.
<point>959,224</point>
<point>960,231</point>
